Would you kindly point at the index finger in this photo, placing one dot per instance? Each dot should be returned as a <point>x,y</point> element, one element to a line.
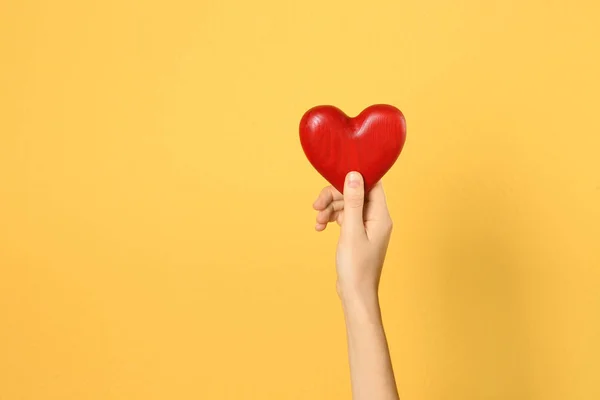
<point>328,195</point>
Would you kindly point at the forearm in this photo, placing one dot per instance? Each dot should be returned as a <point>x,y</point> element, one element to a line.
<point>371,369</point>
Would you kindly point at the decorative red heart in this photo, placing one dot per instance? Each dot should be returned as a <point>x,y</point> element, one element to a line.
<point>369,143</point>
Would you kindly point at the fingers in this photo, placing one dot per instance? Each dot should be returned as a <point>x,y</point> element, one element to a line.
<point>336,216</point>
<point>328,195</point>
<point>354,200</point>
<point>329,203</point>
<point>320,227</point>
<point>329,214</point>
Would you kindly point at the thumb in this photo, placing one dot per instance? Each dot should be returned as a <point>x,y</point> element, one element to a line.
<point>354,200</point>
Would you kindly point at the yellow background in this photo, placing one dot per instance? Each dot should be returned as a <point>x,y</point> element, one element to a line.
<point>156,234</point>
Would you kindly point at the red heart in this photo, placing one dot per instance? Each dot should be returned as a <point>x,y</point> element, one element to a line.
<point>369,143</point>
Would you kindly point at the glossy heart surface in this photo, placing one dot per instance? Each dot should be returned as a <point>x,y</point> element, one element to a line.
<point>336,144</point>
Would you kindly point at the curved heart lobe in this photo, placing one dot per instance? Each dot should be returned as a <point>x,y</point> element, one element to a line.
<point>336,144</point>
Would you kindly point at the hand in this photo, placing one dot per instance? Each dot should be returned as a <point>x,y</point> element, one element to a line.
<point>366,228</point>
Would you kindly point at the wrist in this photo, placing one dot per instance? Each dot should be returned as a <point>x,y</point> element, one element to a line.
<point>353,290</point>
<point>357,293</point>
<point>361,306</point>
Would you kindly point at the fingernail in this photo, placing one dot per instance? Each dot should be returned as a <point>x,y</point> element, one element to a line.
<point>353,180</point>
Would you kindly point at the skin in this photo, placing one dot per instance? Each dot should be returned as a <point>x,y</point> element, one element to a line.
<point>365,230</point>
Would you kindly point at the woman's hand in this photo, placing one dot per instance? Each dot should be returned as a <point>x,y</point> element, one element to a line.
<point>366,227</point>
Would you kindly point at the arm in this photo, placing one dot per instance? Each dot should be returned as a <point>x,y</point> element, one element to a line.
<point>371,370</point>
<point>364,236</point>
